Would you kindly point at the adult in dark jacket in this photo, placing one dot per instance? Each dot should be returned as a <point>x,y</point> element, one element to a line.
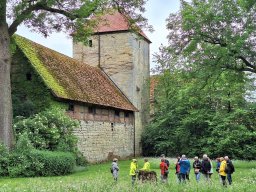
<point>230,169</point>
<point>206,167</point>
<point>197,165</point>
<point>184,167</point>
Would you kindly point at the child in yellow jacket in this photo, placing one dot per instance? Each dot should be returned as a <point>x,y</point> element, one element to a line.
<point>133,170</point>
<point>146,166</point>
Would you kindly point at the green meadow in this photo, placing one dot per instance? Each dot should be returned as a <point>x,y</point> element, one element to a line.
<point>97,178</point>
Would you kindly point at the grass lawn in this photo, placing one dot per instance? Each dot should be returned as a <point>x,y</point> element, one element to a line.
<point>97,178</point>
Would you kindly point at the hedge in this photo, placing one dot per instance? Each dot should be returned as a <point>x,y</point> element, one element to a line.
<point>41,163</point>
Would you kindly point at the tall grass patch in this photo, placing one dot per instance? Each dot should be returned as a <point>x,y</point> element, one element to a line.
<point>97,178</point>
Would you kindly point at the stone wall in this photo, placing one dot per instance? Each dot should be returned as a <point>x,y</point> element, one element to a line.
<point>104,133</point>
<point>101,141</point>
<point>124,57</point>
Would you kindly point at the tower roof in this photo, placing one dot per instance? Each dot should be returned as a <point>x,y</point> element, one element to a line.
<point>114,22</point>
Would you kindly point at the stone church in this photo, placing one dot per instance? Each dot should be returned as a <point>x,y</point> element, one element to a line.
<point>105,86</point>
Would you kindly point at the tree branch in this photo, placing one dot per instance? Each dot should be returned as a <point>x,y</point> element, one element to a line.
<point>60,11</point>
<point>36,7</point>
<point>247,63</point>
<point>215,41</point>
<point>20,18</point>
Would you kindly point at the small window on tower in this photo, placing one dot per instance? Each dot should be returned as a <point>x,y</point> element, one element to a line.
<point>90,43</point>
<point>29,76</point>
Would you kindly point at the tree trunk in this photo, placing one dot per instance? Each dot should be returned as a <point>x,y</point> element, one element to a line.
<point>6,132</point>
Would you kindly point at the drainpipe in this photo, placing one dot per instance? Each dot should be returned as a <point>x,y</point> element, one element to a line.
<point>134,151</point>
<point>99,54</point>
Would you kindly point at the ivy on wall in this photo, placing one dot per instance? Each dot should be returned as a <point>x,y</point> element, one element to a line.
<point>29,93</point>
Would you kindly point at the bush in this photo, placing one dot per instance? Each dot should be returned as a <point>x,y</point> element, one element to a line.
<point>41,163</point>
<point>4,160</point>
<point>26,161</point>
<point>54,163</point>
<point>23,145</point>
<point>48,130</point>
<point>21,164</point>
<point>80,159</point>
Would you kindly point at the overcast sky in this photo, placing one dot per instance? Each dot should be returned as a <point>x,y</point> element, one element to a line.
<point>156,12</point>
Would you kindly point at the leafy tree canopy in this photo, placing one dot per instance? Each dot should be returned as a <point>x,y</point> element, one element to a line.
<point>217,33</point>
<point>194,117</point>
<point>70,16</point>
<point>202,103</point>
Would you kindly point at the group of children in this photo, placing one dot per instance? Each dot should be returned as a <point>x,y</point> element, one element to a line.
<point>224,168</point>
<point>133,168</point>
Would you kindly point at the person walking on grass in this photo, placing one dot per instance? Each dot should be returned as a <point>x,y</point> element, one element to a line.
<point>184,168</point>
<point>218,164</point>
<point>222,172</point>
<point>197,165</point>
<point>218,160</point>
<point>211,170</point>
<point>115,169</point>
<point>168,164</point>
<point>230,169</point>
<point>177,169</point>
<point>206,167</point>
<point>133,170</point>
<point>164,168</point>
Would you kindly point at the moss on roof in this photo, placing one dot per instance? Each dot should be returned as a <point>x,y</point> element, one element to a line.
<point>71,79</point>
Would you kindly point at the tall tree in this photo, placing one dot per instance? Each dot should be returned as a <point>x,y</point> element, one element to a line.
<point>201,98</point>
<point>46,16</point>
<point>196,114</point>
<point>217,33</point>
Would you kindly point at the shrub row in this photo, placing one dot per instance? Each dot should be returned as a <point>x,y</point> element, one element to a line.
<point>54,163</point>
<point>36,163</point>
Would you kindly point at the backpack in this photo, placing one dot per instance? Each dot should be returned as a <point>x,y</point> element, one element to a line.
<point>111,170</point>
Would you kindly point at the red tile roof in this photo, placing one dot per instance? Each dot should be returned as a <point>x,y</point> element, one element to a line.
<point>70,79</point>
<point>113,22</point>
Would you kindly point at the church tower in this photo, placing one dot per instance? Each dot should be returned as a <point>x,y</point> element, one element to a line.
<point>124,57</point>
